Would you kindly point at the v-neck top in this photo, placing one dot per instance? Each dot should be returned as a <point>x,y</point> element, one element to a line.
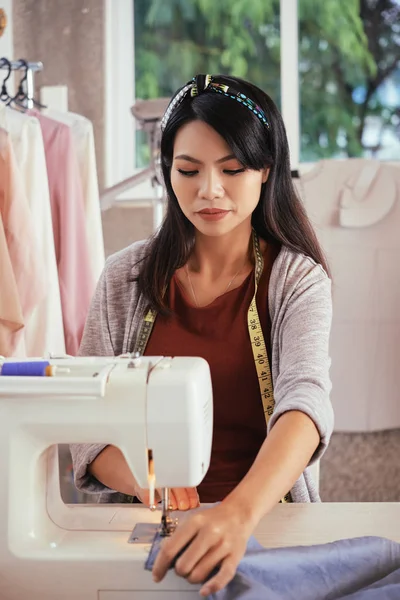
<point>218,333</point>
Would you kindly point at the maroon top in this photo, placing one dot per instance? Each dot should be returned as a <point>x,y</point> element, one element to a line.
<point>218,333</point>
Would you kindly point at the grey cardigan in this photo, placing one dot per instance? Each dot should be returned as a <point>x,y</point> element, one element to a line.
<point>300,308</point>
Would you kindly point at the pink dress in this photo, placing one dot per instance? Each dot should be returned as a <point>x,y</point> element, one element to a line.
<point>71,245</point>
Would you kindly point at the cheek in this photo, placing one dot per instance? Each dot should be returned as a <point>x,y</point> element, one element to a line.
<point>174,182</point>
<point>182,187</point>
<point>249,188</point>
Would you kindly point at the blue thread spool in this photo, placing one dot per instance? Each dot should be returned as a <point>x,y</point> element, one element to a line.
<point>34,368</point>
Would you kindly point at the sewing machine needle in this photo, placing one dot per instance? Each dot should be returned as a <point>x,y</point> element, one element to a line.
<point>152,483</point>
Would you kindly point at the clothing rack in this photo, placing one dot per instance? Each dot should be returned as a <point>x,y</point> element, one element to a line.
<point>30,68</point>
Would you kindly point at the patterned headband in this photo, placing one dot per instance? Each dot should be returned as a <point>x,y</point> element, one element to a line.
<point>205,83</point>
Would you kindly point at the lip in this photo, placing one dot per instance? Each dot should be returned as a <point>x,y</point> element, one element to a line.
<point>213,214</point>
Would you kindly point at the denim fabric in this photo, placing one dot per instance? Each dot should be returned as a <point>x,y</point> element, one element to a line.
<point>366,568</point>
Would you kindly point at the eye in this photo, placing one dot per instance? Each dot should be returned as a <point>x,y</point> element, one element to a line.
<point>187,173</point>
<point>234,171</point>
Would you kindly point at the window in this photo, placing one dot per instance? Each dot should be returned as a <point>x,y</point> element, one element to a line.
<point>349,68</point>
<point>349,64</point>
<point>175,39</point>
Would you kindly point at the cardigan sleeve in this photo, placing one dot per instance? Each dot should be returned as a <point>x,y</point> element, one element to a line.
<point>96,341</point>
<point>303,382</point>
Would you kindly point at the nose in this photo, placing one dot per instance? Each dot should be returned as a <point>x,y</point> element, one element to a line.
<point>210,186</point>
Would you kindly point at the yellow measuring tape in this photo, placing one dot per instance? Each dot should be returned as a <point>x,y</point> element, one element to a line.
<point>256,337</point>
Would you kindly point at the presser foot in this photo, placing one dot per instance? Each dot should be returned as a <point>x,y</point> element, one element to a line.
<point>168,525</point>
<point>144,533</point>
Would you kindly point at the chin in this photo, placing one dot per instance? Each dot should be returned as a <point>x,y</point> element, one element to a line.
<point>218,228</point>
<point>213,229</point>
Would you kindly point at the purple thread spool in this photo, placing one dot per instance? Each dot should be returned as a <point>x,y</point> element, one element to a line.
<point>34,368</point>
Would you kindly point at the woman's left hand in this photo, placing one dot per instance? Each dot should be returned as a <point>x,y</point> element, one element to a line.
<point>212,538</point>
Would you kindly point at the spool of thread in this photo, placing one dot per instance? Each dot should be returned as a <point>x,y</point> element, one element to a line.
<point>36,368</point>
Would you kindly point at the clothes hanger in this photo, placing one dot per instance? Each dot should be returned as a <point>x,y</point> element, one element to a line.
<point>4,95</point>
<point>21,96</point>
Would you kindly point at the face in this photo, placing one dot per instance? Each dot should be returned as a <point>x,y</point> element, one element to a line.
<point>215,192</point>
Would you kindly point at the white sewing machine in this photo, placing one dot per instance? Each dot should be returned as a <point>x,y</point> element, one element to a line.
<point>158,411</point>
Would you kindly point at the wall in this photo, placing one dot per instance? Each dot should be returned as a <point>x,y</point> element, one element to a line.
<point>6,40</point>
<point>68,37</point>
<point>87,45</point>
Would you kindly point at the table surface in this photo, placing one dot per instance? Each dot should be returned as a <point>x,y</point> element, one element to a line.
<point>306,524</point>
<point>291,524</point>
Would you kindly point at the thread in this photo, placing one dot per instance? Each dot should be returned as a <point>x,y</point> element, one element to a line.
<point>37,368</point>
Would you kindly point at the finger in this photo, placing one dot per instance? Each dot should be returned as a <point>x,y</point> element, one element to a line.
<point>225,574</point>
<point>182,498</point>
<point>198,572</point>
<point>206,541</point>
<point>144,496</point>
<point>173,545</point>
<point>172,501</point>
<point>194,499</point>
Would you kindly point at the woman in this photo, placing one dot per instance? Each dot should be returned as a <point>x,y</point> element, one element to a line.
<point>235,267</point>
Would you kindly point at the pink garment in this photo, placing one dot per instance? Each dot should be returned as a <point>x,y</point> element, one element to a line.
<point>22,278</point>
<point>71,245</point>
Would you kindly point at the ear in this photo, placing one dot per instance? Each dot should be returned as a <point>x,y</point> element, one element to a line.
<point>265,174</point>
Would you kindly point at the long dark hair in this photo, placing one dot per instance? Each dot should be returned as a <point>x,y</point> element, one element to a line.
<point>279,215</point>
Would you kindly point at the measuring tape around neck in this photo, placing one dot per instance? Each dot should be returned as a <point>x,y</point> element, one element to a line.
<point>258,346</point>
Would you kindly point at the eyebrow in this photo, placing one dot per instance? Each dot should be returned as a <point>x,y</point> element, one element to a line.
<point>198,162</point>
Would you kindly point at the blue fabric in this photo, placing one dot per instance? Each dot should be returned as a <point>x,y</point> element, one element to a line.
<point>362,568</point>
<point>155,547</point>
<point>366,568</point>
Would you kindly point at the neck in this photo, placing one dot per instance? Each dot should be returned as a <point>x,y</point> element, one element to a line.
<point>214,256</point>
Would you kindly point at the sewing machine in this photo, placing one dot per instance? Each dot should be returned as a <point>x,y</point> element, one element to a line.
<point>157,410</point>
<point>53,551</point>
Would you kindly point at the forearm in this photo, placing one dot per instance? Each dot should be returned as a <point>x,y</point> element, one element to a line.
<point>111,469</point>
<point>282,458</point>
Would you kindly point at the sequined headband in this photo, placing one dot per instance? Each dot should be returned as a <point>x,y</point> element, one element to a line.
<point>205,83</point>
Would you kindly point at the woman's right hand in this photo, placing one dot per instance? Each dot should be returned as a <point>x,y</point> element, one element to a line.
<point>179,498</point>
